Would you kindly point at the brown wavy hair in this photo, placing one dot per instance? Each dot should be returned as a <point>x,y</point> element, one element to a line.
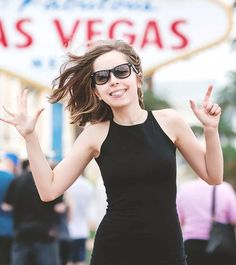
<point>74,84</point>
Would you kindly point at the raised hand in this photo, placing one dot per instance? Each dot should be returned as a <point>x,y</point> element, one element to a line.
<point>24,123</point>
<point>208,113</point>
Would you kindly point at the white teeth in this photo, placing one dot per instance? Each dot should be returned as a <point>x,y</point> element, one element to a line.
<point>117,93</point>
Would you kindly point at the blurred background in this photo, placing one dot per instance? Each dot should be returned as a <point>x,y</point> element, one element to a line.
<point>185,45</point>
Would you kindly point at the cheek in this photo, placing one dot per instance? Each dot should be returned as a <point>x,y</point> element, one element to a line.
<point>136,84</point>
<point>96,92</point>
<point>100,91</point>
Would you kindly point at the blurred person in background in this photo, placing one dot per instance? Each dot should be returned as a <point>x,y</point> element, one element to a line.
<point>62,231</point>
<point>79,197</point>
<point>35,239</point>
<point>63,235</point>
<point>8,169</point>
<point>194,204</point>
<point>134,148</point>
<point>98,205</point>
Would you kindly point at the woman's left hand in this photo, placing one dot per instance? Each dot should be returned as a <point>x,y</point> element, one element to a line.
<point>209,112</point>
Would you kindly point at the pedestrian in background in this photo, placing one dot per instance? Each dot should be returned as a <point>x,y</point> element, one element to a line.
<point>8,168</point>
<point>35,239</point>
<point>79,197</point>
<point>194,204</point>
<point>62,231</point>
<point>134,148</point>
<point>98,205</point>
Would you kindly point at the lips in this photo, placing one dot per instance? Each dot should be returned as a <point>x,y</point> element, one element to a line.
<point>118,93</point>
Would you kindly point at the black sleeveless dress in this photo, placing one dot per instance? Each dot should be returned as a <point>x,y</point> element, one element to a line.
<point>141,227</point>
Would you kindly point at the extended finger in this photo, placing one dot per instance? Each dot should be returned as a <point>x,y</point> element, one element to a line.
<point>37,114</point>
<point>8,112</point>
<point>207,95</point>
<point>193,107</point>
<point>19,98</point>
<point>7,121</point>
<point>24,100</point>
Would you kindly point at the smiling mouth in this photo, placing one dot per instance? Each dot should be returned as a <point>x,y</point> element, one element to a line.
<point>118,93</point>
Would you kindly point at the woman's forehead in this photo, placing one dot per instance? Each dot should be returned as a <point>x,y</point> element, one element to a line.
<point>109,60</point>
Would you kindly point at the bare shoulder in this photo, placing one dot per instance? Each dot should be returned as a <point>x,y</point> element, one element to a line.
<point>98,126</point>
<point>94,135</point>
<point>169,120</point>
<point>169,114</point>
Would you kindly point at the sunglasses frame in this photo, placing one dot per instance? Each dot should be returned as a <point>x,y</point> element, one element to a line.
<point>113,71</point>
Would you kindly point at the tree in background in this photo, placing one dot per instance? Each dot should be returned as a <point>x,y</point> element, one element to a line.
<point>153,102</point>
<point>227,127</point>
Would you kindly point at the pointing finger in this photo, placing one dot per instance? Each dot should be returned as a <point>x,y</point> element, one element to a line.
<point>207,95</point>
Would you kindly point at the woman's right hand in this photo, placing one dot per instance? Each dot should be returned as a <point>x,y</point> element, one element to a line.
<point>24,123</point>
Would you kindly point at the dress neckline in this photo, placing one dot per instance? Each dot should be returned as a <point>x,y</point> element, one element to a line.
<point>133,125</point>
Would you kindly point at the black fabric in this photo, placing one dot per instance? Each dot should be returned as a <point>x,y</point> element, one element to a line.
<point>196,252</point>
<point>35,230</point>
<point>138,166</point>
<point>5,250</point>
<point>33,218</point>
<point>197,255</point>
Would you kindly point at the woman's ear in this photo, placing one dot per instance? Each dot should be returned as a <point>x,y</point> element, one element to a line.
<point>97,93</point>
<point>139,80</point>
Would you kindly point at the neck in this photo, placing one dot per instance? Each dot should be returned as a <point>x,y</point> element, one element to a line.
<point>129,116</point>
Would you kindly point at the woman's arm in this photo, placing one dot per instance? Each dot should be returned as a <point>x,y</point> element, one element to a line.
<point>51,183</point>
<point>206,161</point>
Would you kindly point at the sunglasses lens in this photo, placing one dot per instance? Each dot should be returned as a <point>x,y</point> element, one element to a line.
<point>101,77</point>
<point>122,71</point>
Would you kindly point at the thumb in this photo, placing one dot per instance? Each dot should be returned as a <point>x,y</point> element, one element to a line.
<point>193,107</point>
<point>37,114</point>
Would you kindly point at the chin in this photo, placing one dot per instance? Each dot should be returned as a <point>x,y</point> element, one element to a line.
<point>119,105</point>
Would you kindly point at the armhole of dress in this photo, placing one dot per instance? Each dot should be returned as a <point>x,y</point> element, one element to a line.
<point>105,140</point>
<point>162,131</point>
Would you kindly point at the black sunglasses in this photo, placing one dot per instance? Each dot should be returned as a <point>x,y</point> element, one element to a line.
<point>120,71</point>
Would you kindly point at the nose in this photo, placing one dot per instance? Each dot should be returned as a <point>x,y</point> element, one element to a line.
<point>113,80</point>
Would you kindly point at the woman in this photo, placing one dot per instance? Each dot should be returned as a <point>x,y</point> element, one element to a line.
<point>134,149</point>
